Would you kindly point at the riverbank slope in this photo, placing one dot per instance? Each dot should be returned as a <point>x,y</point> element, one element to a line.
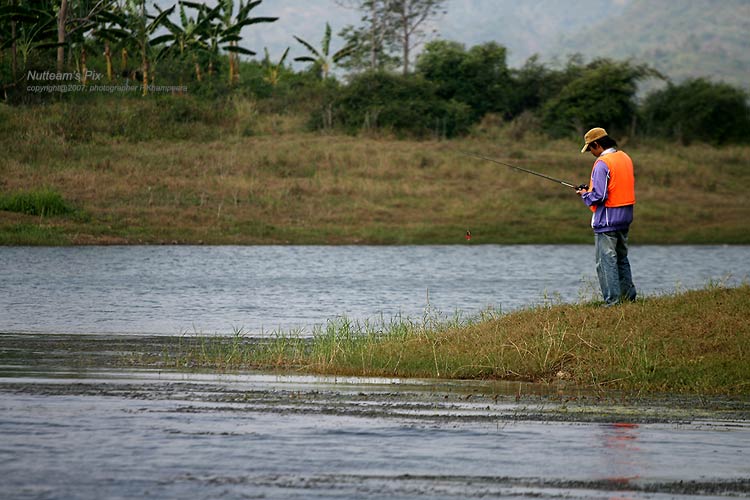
<point>92,173</point>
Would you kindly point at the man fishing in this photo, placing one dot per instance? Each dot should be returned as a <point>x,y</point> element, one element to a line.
<point>611,196</point>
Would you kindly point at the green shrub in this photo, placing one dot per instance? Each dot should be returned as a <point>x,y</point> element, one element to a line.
<point>602,96</point>
<point>406,105</point>
<point>478,77</point>
<point>45,202</point>
<point>699,110</point>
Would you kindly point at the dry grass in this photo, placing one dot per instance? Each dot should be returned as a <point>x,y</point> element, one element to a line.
<point>285,185</point>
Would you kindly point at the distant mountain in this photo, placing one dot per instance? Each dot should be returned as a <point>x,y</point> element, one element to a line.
<point>525,27</point>
<point>680,38</point>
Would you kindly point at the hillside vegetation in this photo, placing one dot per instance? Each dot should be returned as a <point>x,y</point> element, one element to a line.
<point>526,28</point>
<point>176,139</point>
<point>179,171</point>
<point>682,39</point>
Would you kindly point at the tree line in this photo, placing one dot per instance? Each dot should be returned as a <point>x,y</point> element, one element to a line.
<point>139,34</point>
<point>443,91</point>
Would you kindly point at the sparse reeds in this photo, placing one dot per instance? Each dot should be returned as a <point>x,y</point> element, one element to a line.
<point>691,342</point>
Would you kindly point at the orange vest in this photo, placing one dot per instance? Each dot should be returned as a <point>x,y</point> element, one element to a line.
<point>621,185</point>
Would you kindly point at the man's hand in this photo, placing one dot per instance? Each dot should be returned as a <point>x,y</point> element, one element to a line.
<point>583,188</point>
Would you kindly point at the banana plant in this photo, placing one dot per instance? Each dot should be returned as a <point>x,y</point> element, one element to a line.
<point>273,70</point>
<point>231,27</point>
<point>85,21</point>
<point>31,30</point>
<point>186,39</point>
<point>34,35</point>
<point>77,19</point>
<point>321,58</point>
<point>110,30</point>
<point>48,25</point>
<point>141,26</point>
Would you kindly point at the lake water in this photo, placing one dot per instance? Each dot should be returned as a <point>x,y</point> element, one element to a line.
<point>167,290</point>
<point>147,434</point>
<point>75,432</point>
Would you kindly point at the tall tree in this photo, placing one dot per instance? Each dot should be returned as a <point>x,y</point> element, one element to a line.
<point>391,27</point>
<point>478,77</point>
<point>62,18</point>
<point>603,94</point>
<point>370,41</point>
<point>409,19</point>
<point>698,110</point>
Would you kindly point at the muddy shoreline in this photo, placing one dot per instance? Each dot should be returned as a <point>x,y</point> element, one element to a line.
<point>85,356</point>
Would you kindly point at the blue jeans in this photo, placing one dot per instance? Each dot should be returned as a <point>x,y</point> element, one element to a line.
<point>612,266</point>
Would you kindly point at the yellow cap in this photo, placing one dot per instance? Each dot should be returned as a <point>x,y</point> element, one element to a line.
<point>591,136</point>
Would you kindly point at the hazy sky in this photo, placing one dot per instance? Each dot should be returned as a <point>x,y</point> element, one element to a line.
<point>468,21</point>
<point>303,18</point>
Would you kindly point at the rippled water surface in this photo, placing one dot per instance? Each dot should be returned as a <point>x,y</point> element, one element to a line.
<point>140,434</point>
<point>71,429</point>
<point>170,290</point>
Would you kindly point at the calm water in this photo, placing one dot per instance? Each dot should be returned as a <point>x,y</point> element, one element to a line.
<point>171,290</point>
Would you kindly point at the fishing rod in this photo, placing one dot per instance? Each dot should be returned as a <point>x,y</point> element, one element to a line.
<point>566,184</point>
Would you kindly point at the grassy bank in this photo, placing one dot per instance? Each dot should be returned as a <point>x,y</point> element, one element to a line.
<point>697,342</point>
<point>180,172</point>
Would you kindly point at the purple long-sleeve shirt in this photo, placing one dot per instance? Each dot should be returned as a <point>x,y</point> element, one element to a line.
<point>605,219</point>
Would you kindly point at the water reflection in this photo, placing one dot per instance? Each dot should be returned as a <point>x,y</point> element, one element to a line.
<point>622,457</point>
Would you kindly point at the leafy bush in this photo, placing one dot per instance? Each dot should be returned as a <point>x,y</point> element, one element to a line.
<point>403,104</point>
<point>37,202</point>
<point>699,110</point>
<point>478,77</point>
<point>533,84</point>
<point>602,96</point>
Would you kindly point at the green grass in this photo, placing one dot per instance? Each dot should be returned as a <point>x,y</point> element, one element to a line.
<point>696,342</point>
<point>33,234</point>
<point>42,202</point>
